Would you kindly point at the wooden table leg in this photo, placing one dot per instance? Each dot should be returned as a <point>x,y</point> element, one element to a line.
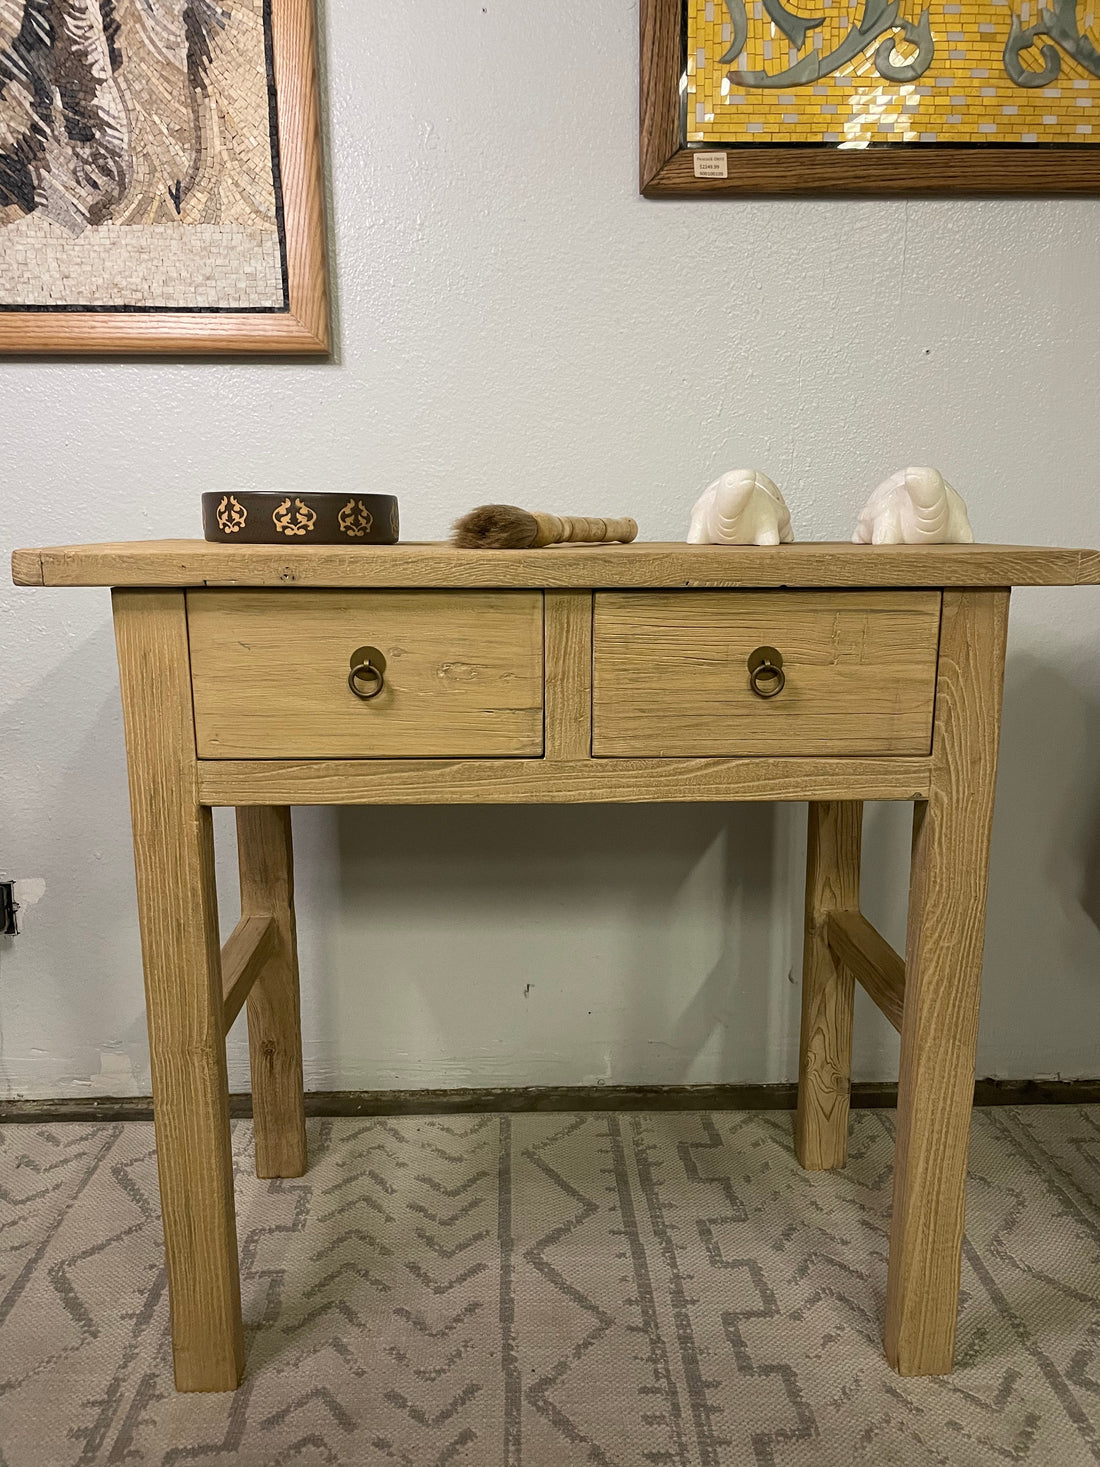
<point>943,978</point>
<point>825,1053</point>
<point>177,906</point>
<point>274,1018</point>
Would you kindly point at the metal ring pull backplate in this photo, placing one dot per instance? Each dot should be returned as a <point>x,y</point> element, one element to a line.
<point>766,676</point>
<point>367,677</point>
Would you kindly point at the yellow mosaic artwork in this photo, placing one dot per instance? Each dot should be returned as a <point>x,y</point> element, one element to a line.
<point>857,72</point>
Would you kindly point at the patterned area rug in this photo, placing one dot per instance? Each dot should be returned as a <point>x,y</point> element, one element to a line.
<point>549,1290</point>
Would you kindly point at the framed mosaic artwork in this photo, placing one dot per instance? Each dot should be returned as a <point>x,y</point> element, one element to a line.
<point>160,177</point>
<point>869,96</point>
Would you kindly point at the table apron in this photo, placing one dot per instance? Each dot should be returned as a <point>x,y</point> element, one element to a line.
<point>553,782</point>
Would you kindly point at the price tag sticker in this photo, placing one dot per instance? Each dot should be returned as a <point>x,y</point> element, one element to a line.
<point>710,165</point>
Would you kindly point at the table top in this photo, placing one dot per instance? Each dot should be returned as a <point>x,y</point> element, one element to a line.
<point>652,564</point>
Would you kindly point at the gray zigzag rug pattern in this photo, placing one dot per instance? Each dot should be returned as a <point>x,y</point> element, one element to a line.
<point>549,1290</point>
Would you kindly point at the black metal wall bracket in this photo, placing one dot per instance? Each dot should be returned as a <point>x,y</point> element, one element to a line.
<point>9,927</point>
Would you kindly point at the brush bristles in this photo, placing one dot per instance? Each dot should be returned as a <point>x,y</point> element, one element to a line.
<point>495,527</point>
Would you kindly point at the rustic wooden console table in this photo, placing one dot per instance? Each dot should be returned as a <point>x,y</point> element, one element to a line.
<point>264,677</point>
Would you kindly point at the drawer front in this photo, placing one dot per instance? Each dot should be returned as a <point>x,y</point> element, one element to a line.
<point>671,676</point>
<point>269,672</point>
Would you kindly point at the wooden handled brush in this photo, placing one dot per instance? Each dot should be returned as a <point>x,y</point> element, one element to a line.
<point>504,527</point>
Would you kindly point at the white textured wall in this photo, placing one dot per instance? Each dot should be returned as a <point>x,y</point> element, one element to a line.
<point>514,322</point>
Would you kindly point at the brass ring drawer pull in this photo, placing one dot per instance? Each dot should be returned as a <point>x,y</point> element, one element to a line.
<point>766,675</point>
<point>367,677</point>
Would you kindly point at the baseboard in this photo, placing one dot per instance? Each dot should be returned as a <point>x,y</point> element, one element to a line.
<point>554,1098</point>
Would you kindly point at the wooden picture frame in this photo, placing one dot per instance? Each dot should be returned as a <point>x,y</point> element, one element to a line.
<point>667,164</point>
<point>300,325</point>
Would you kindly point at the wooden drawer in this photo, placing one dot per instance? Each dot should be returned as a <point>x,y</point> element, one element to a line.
<point>269,671</point>
<point>670,672</point>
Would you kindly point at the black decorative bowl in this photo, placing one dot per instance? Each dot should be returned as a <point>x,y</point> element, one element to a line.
<point>300,519</point>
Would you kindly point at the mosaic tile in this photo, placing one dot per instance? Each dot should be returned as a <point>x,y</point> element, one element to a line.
<point>866,71</point>
<point>138,156</point>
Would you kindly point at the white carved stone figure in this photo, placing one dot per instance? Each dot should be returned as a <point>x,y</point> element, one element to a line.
<point>914,507</point>
<point>743,507</point>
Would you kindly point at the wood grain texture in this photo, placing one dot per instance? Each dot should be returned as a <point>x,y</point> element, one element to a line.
<point>906,168</point>
<point>266,860</point>
<point>270,670</point>
<point>568,660</point>
<point>542,781</point>
<point>659,67</point>
<point>177,907</point>
<point>825,1048</point>
<point>26,567</point>
<point>858,946</point>
<point>667,168</point>
<point>244,955</point>
<point>670,672</point>
<point>943,978</point>
<point>294,27</point>
<point>646,564</point>
<point>302,330</point>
